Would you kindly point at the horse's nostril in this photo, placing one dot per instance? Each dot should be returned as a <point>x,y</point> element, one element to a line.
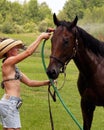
<point>52,73</point>
<point>48,73</point>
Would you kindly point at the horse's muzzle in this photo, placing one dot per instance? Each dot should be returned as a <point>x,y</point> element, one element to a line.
<point>52,73</point>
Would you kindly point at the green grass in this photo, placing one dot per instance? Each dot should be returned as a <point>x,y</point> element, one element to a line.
<point>34,111</point>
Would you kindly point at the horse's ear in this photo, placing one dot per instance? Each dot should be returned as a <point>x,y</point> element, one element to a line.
<point>55,19</point>
<point>74,22</point>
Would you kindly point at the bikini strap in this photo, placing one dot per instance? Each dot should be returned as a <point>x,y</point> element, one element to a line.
<point>2,83</point>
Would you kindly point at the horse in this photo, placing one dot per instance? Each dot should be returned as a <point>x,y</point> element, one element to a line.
<point>71,42</point>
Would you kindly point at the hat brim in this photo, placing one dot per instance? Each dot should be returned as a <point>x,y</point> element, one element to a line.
<point>7,44</point>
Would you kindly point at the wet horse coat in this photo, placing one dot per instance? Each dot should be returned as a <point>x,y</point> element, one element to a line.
<point>72,42</point>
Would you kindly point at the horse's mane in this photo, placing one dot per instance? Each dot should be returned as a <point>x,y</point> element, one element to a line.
<point>91,43</point>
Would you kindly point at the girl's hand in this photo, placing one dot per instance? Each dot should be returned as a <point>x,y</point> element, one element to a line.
<point>54,82</point>
<point>45,35</point>
<point>50,30</point>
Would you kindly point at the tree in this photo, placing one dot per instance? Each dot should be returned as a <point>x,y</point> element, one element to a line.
<point>4,8</point>
<point>92,3</point>
<point>94,16</point>
<point>73,8</point>
<point>16,17</point>
<point>17,13</point>
<point>1,18</point>
<point>44,11</point>
<point>33,10</point>
<point>7,26</point>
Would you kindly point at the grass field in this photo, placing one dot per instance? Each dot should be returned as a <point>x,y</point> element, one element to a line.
<point>34,111</point>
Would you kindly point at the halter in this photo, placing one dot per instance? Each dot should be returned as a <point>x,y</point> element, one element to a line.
<point>75,48</point>
<point>57,59</point>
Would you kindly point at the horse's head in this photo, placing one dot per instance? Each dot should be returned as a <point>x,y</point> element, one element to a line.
<point>63,46</point>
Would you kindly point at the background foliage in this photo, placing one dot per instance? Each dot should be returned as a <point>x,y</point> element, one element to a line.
<point>32,16</point>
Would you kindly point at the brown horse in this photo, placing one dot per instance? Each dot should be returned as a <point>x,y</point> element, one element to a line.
<point>71,42</point>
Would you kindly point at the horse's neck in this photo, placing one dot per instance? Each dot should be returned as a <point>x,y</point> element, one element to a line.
<point>86,61</point>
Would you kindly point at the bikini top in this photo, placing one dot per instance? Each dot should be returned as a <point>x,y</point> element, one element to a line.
<point>18,76</point>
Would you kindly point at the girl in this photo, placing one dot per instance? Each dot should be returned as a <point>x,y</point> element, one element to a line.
<point>11,101</point>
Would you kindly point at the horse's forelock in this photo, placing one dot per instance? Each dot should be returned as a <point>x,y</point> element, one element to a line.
<point>64,24</point>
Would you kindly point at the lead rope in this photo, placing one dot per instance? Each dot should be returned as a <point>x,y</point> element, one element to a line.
<point>49,104</point>
<point>56,90</point>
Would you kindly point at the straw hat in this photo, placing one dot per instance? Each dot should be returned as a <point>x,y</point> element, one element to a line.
<point>7,44</point>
